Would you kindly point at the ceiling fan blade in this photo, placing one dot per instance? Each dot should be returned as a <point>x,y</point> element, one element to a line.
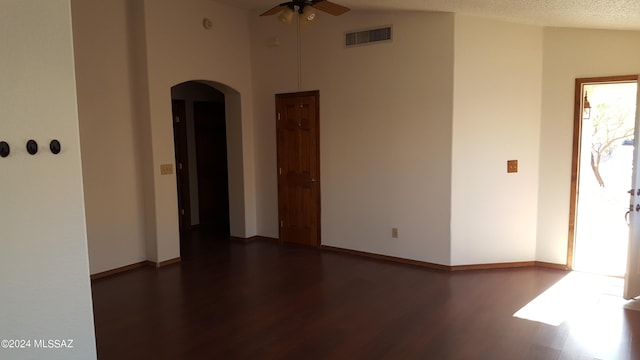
<point>274,10</point>
<point>330,7</point>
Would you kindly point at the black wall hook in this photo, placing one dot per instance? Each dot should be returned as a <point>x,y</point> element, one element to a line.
<point>5,149</point>
<point>32,147</point>
<point>55,147</point>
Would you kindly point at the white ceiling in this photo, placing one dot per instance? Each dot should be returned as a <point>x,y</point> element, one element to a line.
<point>602,14</point>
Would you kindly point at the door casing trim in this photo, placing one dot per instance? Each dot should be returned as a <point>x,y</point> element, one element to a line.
<point>575,157</point>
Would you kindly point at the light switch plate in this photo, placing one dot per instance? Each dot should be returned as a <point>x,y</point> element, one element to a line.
<point>512,166</point>
<point>166,169</point>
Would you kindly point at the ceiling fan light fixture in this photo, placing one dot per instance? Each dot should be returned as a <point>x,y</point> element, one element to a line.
<point>306,9</point>
<point>309,13</point>
<point>286,15</point>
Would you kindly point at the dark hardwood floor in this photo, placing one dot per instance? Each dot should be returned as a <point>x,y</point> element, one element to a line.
<point>261,300</point>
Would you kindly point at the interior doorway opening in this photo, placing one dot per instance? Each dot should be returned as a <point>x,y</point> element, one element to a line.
<point>202,172</point>
<point>603,168</point>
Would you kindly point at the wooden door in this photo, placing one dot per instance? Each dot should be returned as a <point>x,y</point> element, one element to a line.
<point>298,143</point>
<point>182,163</point>
<point>632,277</point>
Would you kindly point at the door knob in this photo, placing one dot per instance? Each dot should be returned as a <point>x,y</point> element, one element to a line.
<point>312,180</point>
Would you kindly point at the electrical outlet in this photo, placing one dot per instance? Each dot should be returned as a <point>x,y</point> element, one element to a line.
<point>394,233</point>
<point>512,166</point>
<point>166,169</point>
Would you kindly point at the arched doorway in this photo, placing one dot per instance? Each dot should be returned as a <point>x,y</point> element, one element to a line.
<point>200,140</point>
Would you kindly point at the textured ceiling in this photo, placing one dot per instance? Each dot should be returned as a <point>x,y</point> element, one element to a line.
<point>602,14</point>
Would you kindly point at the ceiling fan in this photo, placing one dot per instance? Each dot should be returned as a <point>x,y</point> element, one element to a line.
<point>306,8</point>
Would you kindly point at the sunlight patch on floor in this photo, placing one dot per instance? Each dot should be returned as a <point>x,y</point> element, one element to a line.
<point>576,295</point>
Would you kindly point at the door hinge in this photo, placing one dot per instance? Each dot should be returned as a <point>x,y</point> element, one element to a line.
<point>176,119</point>
<point>181,211</point>
<point>279,171</point>
<point>278,116</point>
<point>179,166</point>
<point>281,223</point>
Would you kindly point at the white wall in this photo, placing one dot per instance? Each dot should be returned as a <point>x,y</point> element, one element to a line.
<point>385,128</point>
<point>129,54</point>
<point>274,72</point>
<point>112,165</point>
<point>44,270</point>
<point>180,49</point>
<point>570,54</point>
<point>498,71</point>
<point>395,140</point>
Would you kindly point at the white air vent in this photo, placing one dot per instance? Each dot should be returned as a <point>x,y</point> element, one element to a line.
<point>368,36</point>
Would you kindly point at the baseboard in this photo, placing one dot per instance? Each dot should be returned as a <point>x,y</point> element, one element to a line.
<point>137,265</point>
<point>253,238</point>
<point>387,258</point>
<point>166,262</point>
<point>395,259</point>
<point>507,265</point>
<point>119,270</point>
<point>543,264</point>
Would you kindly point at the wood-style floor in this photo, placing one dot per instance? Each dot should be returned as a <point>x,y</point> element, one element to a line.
<point>261,300</point>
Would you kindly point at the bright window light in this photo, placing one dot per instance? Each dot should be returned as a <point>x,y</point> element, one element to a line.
<point>572,297</point>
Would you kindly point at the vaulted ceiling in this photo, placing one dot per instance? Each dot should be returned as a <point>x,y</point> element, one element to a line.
<point>600,14</point>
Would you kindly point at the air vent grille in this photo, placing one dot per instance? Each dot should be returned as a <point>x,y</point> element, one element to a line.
<point>362,37</point>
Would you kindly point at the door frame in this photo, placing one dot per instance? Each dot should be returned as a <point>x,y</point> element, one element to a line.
<point>317,199</point>
<point>632,275</point>
<point>179,120</point>
<point>575,161</point>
